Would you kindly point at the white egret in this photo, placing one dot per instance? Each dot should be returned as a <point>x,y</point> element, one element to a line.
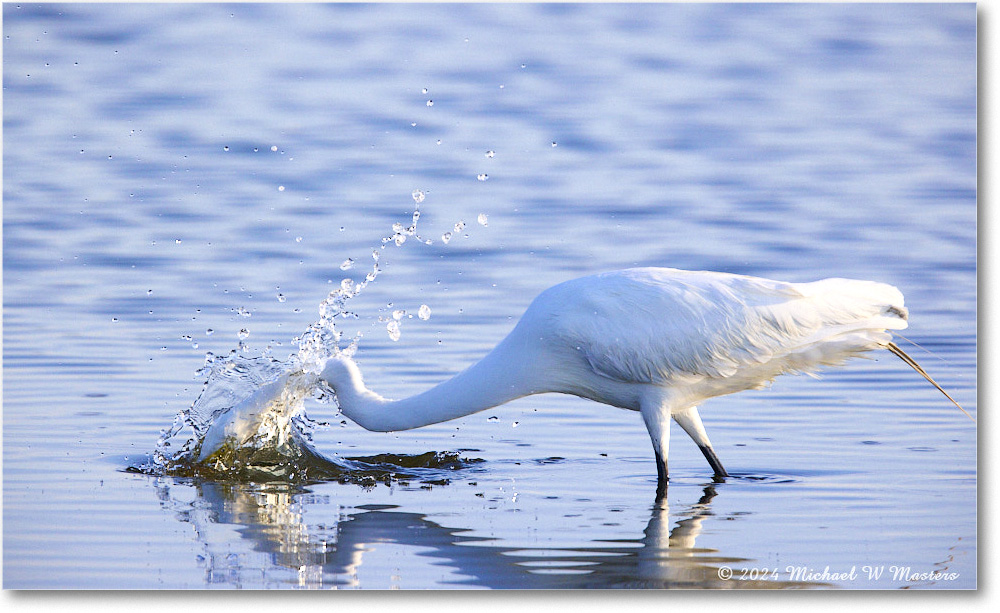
<point>654,340</point>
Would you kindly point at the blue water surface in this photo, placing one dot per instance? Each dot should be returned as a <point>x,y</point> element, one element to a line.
<point>178,178</point>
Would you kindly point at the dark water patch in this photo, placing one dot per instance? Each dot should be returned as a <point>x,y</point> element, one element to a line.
<point>748,72</point>
<point>32,11</point>
<point>116,261</point>
<point>942,192</point>
<point>953,144</point>
<point>23,84</point>
<point>762,478</point>
<point>654,63</point>
<point>550,460</point>
<point>699,136</point>
<point>145,104</point>
<point>847,47</point>
<point>300,463</point>
<point>48,363</point>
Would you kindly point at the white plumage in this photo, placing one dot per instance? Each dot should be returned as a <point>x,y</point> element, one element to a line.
<point>666,326</point>
<point>655,340</point>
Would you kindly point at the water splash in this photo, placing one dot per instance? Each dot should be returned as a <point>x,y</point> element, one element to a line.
<point>249,422</point>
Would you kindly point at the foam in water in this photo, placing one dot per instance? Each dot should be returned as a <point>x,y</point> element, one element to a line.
<point>249,422</point>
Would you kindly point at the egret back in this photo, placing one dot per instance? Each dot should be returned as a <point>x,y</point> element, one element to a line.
<point>665,326</point>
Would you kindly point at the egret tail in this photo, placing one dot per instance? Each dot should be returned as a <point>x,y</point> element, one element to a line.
<point>894,348</point>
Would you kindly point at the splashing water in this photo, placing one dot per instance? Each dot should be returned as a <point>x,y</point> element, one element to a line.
<point>249,422</point>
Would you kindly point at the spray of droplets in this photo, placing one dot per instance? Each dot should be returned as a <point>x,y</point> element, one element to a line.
<point>322,339</point>
<point>232,378</point>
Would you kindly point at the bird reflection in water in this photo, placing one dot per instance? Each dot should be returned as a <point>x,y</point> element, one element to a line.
<point>286,551</point>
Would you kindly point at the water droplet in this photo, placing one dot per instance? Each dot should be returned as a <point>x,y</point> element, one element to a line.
<point>424,313</point>
<point>438,142</point>
<point>281,297</point>
<point>209,332</point>
<point>281,188</point>
<point>347,264</point>
<point>186,337</point>
<point>398,314</point>
<point>483,219</point>
<point>347,286</point>
<point>424,90</point>
<point>243,334</point>
<point>430,103</point>
<point>524,65</point>
<point>177,241</point>
<point>483,177</point>
<point>114,319</point>
<point>555,144</point>
<point>490,153</point>
<point>446,238</point>
<point>493,419</point>
<point>149,292</point>
<point>413,124</point>
<point>393,329</point>
<point>226,148</point>
<point>400,239</point>
<point>274,147</point>
<point>515,424</point>
<point>459,226</point>
<point>298,239</point>
<point>418,196</point>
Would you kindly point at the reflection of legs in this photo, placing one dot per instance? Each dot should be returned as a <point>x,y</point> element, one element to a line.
<point>689,523</point>
<point>691,422</point>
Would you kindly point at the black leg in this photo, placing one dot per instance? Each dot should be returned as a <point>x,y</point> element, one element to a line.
<point>661,476</point>
<point>713,461</point>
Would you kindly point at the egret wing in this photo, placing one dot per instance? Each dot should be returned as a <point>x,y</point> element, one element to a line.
<point>662,325</point>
